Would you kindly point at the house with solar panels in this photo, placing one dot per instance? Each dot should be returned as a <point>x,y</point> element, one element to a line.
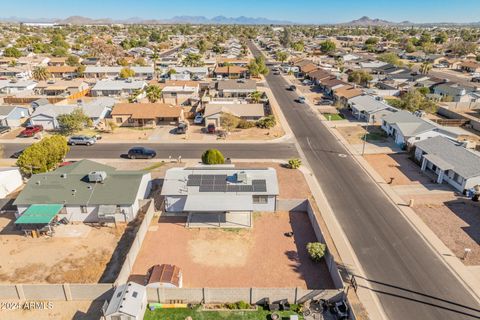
<point>219,195</point>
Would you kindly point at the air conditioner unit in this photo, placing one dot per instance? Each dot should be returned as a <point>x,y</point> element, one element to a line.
<point>242,176</point>
<point>97,176</point>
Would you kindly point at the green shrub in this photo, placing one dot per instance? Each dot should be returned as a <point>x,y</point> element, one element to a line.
<point>267,122</point>
<point>213,156</point>
<point>231,306</point>
<point>244,124</point>
<point>294,163</point>
<point>44,155</point>
<point>316,250</point>
<point>243,305</point>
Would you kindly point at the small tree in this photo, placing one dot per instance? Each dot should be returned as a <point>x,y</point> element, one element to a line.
<point>12,52</point>
<point>267,122</point>
<point>316,250</point>
<point>73,122</point>
<point>213,156</point>
<point>256,96</point>
<point>73,61</point>
<point>328,46</point>
<point>43,156</point>
<point>228,121</point>
<point>126,73</point>
<point>282,56</point>
<point>294,163</point>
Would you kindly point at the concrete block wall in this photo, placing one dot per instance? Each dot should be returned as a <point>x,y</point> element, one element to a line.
<point>45,292</point>
<point>291,205</point>
<point>8,291</point>
<point>224,295</point>
<point>99,291</point>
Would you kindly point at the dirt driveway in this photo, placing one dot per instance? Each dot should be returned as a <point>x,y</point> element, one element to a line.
<point>259,257</point>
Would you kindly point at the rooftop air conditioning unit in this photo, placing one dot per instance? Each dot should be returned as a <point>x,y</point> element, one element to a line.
<point>97,176</point>
<point>242,176</point>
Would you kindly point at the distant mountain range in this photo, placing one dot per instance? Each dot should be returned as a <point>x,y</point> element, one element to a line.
<point>79,20</point>
<point>219,20</point>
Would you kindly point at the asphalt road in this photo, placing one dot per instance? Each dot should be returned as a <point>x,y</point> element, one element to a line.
<point>185,150</point>
<point>410,280</point>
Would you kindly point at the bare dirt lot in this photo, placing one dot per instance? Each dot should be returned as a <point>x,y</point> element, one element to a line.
<point>259,257</point>
<point>76,254</point>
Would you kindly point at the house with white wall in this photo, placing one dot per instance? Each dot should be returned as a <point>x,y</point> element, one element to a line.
<point>222,195</point>
<point>450,162</point>
<point>366,107</point>
<point>87,191</point>
<point>10,180</point>
<point>403,125</point>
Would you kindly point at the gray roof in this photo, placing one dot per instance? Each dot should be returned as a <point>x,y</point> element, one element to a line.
<point>368,103</point>
<point>463,161</point>
<point>127,299</point>
<point>239,110</point>
<point>93,109</point>
<point>237,85</point>
<point>409,124</point>
<point>175,182</point>
<point>118,85</point>
<point>119,188</point>
<point>6,110</point>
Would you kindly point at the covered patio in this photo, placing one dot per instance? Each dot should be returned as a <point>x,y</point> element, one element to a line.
<point>38,219</point>
<point>213,211</point>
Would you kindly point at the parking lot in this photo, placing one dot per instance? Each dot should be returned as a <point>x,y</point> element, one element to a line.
<point>259,257</point>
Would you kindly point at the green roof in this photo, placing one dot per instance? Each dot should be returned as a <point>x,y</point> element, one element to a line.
<point>39,214</point>
<point>69,185</point>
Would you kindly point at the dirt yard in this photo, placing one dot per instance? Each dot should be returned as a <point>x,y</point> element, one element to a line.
<point>397,166</point>
<point>355,134</point>
<point>457,224</point>
<point>259,257</point>
<point>61,310</point>
<point>75,254</point>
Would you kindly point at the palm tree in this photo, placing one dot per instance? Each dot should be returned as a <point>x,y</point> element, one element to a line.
<point>192,60</point>
<point>40,73</point>
<point>256,96</point>
<point>425,68</point>
<point>154,93</point>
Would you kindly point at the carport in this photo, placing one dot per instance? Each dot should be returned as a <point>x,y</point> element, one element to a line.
<point>219,211</point>
<point>38,218</point>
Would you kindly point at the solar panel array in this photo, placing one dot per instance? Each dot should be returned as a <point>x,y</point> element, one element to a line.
<point>218,183</point>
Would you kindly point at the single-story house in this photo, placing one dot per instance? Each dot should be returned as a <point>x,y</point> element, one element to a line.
<point>146,114</point>
<point>46,115</point>
<point>129,302</point>
<point>309,67</point>
<point>201,72</point>
<point>85,191</point>
<point>219,195</point>
<point>57,61</point>
<point>117,88</point>
<point>179,92</point>
<point>10,180</point>
<point>318,75</point>
<point>470,66</point>
<point>402,125</point>
<point>250,112</point>
<point>366,107</point>
<point>114,71</point>
<point>455,91</point>
<point>20,72</point>
<point>343,94</point>
<point>450,162</point>
<point>236,88</point>
<point>231,72</point>
<point>329,85</point>
<point>57,87</point>
<point>62,71</point>
<point>9,87</point>
<point>13,116</point>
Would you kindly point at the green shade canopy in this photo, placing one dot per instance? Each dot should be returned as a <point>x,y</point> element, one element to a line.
<point>39,214</point>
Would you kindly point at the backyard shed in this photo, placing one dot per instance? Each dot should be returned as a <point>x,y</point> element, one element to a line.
<point>164,276</point>
<point>129,302</point>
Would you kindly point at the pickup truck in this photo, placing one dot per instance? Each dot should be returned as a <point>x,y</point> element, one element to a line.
<point>4,129</point>
<point>30,131</point>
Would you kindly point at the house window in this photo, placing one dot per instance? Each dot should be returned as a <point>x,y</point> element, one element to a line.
<point>130,120</point>
<point>260,199</point>
<point>83,209</point>
<point>119,120</point>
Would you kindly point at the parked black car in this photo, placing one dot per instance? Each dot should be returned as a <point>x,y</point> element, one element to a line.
<point>141,153</point>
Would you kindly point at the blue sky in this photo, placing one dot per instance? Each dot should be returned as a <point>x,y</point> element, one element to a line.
<point>305,11</point>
